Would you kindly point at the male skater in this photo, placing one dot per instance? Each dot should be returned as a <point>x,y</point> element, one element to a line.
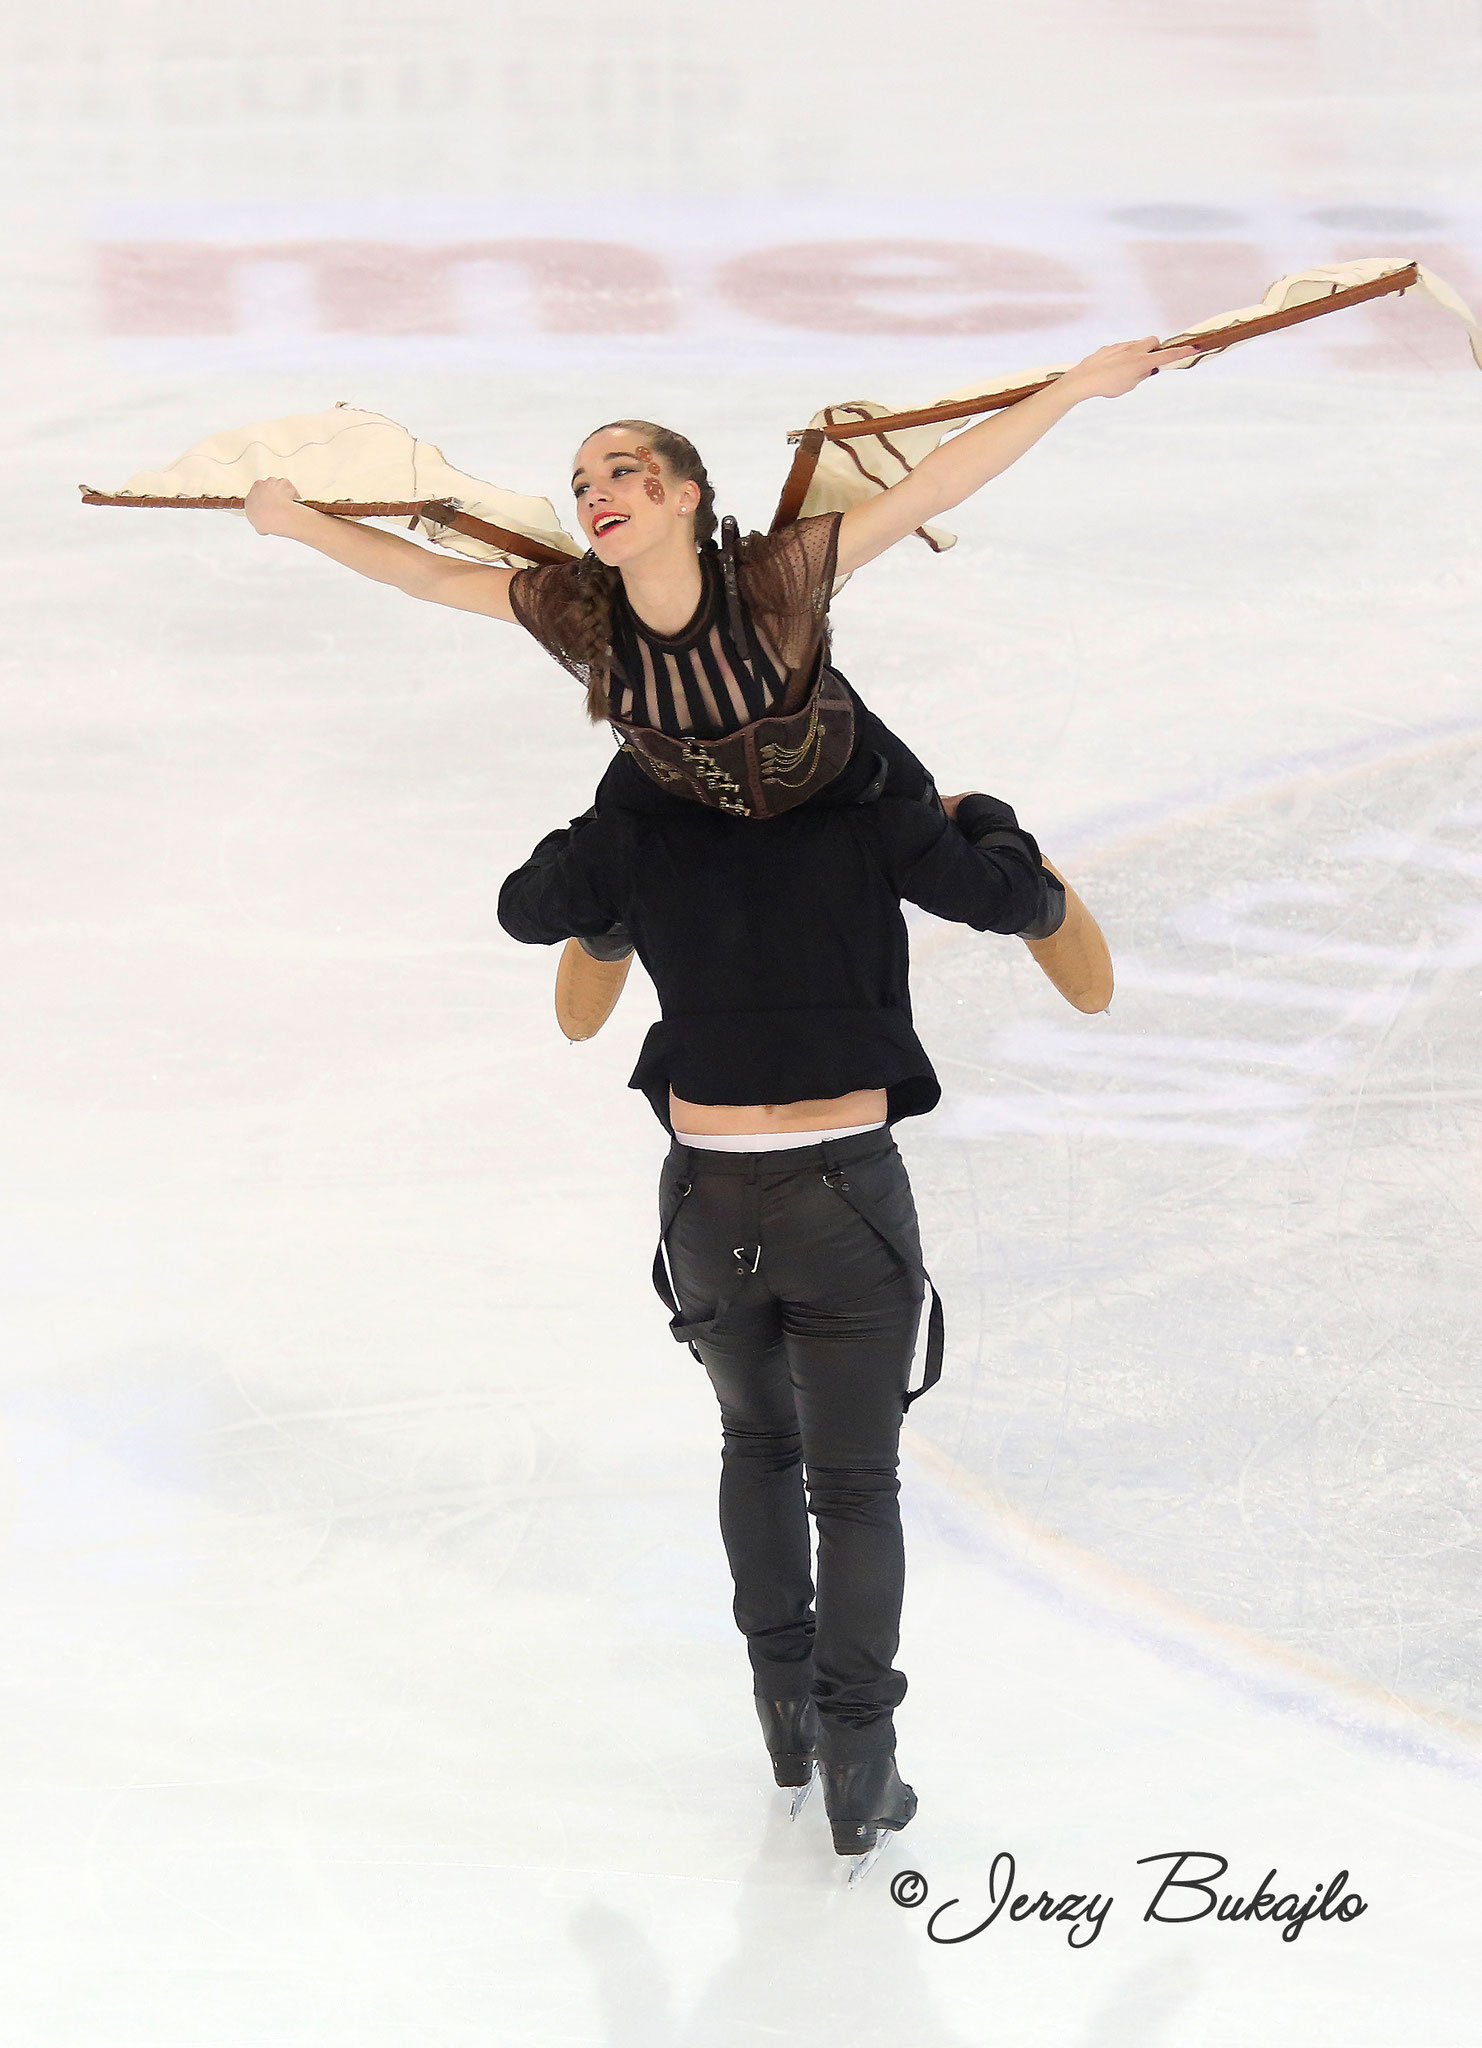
<point>784,1052</point>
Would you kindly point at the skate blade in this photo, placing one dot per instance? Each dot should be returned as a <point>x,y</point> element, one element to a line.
<point>800,1795</point>
<point>861,1866</point>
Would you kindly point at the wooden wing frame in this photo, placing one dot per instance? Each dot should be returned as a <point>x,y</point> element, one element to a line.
<point>810,440</point>
<point>412,509</point>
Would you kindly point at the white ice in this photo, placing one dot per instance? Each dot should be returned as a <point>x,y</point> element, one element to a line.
<point>370,1673</point>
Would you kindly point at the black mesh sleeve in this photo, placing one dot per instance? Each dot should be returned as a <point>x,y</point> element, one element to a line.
<point>544,600</point>
<point>787,579</point>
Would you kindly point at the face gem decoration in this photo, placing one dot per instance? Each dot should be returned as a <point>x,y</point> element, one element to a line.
<point>653,488</point>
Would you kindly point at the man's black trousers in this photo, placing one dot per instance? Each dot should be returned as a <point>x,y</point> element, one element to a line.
<point>805,1320</point>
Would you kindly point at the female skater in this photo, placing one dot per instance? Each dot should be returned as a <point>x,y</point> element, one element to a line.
<point>711,663</point>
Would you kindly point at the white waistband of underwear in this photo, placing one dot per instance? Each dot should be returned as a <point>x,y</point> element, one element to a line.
<point>772,1141</point>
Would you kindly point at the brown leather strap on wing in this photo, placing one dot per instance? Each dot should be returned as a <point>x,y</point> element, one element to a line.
<point>799,477</point>
<point>503,537</point>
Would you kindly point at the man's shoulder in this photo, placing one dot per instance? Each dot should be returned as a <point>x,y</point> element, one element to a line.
<point>907,823</point>
<point>628,792</point>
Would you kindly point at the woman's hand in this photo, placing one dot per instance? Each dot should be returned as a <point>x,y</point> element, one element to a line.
<point>269,505</point>
<point>1112,372</point>
<point>969,460</point>
<point>273,506</point>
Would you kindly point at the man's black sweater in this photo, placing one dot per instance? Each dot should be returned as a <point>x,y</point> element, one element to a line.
<point>778,948</point>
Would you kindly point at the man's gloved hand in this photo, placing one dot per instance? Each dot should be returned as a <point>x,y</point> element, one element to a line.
<point>974,814</point>
<point>1052,917</point>
<point>988,821</point>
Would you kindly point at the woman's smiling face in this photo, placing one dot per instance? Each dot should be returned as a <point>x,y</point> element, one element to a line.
<point>627,498</point>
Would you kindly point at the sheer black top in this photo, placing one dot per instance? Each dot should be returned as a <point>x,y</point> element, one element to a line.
<point>700,681</point>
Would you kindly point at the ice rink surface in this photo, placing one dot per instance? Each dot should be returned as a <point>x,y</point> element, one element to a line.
<point>371,1676</point>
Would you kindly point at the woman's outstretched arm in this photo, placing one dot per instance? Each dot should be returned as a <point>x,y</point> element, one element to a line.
<point>969,460</point>
<point>273,507</point>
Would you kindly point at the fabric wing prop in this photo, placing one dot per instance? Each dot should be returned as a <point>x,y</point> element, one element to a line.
<point>363,465</point>
<point>835,469</point>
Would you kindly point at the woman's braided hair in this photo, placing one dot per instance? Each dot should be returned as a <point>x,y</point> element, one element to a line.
<point>597,583</point>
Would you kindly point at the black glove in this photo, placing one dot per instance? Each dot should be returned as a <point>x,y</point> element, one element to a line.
<point>1053,916</point>
<point>988,821</point>
<point>977,814</point>
<point>614,944</point>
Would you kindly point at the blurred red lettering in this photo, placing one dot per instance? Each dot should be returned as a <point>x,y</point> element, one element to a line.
<point>363,287</point>
<point>167,288</point>
<point>904,287</point>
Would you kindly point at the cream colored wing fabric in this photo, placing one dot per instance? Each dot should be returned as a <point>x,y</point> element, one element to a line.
<point>356,457</point>
<point>1305,287</point>
<point>850,472</point>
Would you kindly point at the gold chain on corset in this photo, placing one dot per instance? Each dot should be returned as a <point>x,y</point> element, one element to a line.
<point>660,768</point>
<point>726,788</point>
<point>778,763</point>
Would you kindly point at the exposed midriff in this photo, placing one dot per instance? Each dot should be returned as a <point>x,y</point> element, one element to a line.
<point>737,1120</point>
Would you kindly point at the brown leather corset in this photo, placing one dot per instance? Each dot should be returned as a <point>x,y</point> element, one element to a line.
<point>760,769</point>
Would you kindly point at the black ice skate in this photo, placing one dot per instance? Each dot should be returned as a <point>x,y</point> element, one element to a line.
<point>790,1731</point>
<point>865,1802</point>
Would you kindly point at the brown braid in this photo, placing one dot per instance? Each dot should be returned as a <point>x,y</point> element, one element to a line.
<point>597,583</point>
